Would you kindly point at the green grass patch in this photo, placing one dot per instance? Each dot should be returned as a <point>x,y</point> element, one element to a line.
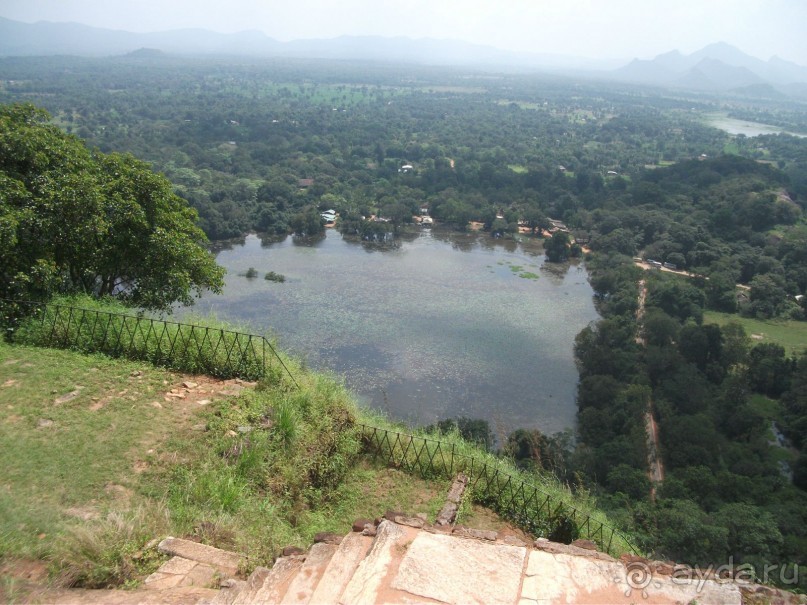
<point>528,275</point>
<point>790,334</point>
<point>94,469</point>
<point>518,168</point>
<point>766,407</point>
<point>72,430</point>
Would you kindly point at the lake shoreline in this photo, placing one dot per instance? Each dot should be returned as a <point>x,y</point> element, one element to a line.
<point>446,324</point>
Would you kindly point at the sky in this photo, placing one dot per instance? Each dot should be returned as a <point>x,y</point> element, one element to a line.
<point>598,29</point>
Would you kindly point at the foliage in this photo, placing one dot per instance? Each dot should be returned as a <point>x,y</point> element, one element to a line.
<point>473,430</point>
<point>74,220</point>
<point>716,395</point>
<point>534,500</point>
<point>275,277</point>
<point>258,146</point>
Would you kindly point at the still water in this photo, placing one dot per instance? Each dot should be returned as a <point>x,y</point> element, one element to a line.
<point>445,325</point>
<point>745,127</point>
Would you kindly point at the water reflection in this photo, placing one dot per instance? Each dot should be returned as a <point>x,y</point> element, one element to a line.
<point>447,324</point>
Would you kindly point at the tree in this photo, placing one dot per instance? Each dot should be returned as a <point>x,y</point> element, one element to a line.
<point>768,369</point>
<point>307,223</point>
<point>736,344</point>
<point>721,293</point>
<point>687,534</point>
<point>628,480</point>
<point>557,247</point>
<point>752,533</point>
<point>659,328</point>
<point>677,298</point>
<point>474,430</point>
<point>768,296</point>
<point>80,221</point>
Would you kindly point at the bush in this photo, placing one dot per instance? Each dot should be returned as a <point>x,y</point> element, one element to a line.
<point>275,277</point>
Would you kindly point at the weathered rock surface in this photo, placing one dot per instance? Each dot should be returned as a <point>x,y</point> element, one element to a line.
<point>405,564</point>
<point>452,570</point>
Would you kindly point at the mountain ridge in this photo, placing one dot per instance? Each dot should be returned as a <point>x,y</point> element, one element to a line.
<point>51,38</point>
<point>714,68</point>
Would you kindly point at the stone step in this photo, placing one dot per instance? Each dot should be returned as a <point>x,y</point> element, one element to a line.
<point>371,574</point>
<point>223,560</point>
<point>350,552</point>
<point>243,593</point>
<point>450,569</point>
<point>179,571</point>
<point>276,581</point>
<point>307,578</point>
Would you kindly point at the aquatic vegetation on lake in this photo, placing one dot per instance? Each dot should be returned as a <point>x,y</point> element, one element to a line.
<point>445,325</point>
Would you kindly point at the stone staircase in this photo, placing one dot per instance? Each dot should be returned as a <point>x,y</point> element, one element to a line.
<point>402,559</point>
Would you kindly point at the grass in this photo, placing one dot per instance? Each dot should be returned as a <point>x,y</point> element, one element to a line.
<point>99,460</point>
<point>790,334</point>
<point>508,493</point>
<point>209,347</point>
<point>94,470</point>
<point>73,428</point>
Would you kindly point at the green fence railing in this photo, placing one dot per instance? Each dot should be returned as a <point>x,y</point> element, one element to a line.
<point>228,354</point>
<point>185,347</point>
<point>510,496</point>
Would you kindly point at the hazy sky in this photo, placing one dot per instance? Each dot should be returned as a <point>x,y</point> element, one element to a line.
<point>586,28</point>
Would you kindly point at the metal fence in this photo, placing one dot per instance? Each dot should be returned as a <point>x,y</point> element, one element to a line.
<point>185,347</point>
<point>507,494</point>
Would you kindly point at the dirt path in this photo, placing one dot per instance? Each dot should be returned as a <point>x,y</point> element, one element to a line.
<point>640,312</point>
<point>654,462</point>
<point>647,267</point>
<point>655,466</point>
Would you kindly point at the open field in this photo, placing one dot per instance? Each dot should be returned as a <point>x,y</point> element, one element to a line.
<point>792,335</point>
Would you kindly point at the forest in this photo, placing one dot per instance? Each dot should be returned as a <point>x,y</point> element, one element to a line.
<point>634,173</point>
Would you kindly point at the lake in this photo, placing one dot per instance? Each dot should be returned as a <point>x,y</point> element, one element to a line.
<point>745,127</point>
<point>445,325</point>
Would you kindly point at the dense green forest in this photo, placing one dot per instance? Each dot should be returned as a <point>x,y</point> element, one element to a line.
<point>74,220</point>
<point>632,172</point>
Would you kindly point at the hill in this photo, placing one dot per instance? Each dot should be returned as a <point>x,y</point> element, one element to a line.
<point>46,38</point>
<point>120,452</point>
<point>716,67</point>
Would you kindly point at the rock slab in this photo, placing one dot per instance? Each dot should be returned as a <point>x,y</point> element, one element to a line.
<point>222,560</point>
<point>452,570</point>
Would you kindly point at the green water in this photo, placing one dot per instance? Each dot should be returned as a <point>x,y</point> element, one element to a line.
<point>445,325</point>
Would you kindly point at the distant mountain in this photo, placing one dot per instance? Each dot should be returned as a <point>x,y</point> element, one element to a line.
<point>717,67</point>
<point>718,75</point>
<point>44,38</point>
